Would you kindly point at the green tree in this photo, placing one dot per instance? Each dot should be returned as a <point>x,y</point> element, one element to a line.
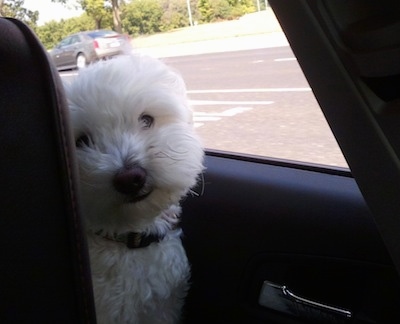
<point>175,13</point>
<point>141,17</point>
<point>15,9</point>
<point>214,10</point>
<point>94,8</point>
<point>78,24</point>
<point>242,7</point>
<point>52,32</point>
<point>205,9</point>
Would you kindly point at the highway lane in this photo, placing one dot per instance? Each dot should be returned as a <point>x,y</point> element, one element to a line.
<point>259,68</point>
<point>256,102</point>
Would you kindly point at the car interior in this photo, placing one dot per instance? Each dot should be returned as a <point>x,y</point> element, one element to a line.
<point>45,270</point>
<point>269,241</point>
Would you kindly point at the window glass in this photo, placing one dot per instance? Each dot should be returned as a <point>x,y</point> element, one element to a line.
<point>74,39</point>
<point>247,89</point>
<point>258,102</point>
<point>65,42</point>
<point>101,33</point>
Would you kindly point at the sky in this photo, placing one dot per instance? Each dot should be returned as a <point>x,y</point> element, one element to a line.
<point>52,11</point>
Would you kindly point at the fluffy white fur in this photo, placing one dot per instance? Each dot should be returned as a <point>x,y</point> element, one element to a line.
<point>129,112</point>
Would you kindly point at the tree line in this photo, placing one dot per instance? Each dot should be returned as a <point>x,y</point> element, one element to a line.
<point>134,17</point>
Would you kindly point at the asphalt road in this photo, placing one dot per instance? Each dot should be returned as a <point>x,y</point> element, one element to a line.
<point>256,102</point>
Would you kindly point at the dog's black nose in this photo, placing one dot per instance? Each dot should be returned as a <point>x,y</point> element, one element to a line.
<point>130,181</point>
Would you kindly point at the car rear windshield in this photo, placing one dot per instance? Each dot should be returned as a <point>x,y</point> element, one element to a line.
<point>102,33</point>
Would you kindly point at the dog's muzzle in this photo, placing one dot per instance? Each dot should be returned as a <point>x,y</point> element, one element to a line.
<point>131,182</point>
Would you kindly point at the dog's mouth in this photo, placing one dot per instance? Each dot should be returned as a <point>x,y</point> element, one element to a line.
<point>136,198</point>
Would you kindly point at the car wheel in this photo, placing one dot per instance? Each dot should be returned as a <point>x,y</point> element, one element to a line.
<point>81,61</point>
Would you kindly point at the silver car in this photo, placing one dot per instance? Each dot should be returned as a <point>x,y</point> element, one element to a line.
<point>80,49</point>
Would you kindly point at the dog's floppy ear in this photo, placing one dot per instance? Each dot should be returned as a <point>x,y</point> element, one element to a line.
<point>45,271</point>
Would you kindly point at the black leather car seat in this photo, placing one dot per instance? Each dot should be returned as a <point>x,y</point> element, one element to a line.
<point>44,268</point>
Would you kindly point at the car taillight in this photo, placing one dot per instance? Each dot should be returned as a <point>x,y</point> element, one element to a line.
<point>96,44</point>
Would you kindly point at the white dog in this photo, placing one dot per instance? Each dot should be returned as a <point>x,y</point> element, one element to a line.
<point>138,156</point>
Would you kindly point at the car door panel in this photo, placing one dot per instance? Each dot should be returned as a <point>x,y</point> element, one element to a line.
<point>350,56</point>
<point>69,52</point>
<point>68,55</point>
<point>362,292</point>
<point>317,233</point>
<point>63,52</point>
<point>305,227</point>
<point>56,54</point>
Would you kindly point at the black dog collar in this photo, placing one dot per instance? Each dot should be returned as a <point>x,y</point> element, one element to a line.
<point>132,240</point>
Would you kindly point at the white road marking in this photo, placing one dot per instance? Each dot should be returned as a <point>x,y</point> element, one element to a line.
<point>285,59</point>
<point>226,113</point>
<point>224,102</point>
<point>249,90</point>
<point>205,118</point>
<point>200,117</point>
<point>68,74</point>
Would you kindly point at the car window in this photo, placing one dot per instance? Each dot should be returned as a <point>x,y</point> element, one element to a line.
<point>247,90</point>
<point>250,95</point>
<point>75,39</point>
<point>65,42</point>
<point>101,33</point>
<point>258,102</point>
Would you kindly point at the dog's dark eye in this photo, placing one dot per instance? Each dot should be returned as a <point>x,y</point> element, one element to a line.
<point>146,121</point>
<point>83,140</point>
